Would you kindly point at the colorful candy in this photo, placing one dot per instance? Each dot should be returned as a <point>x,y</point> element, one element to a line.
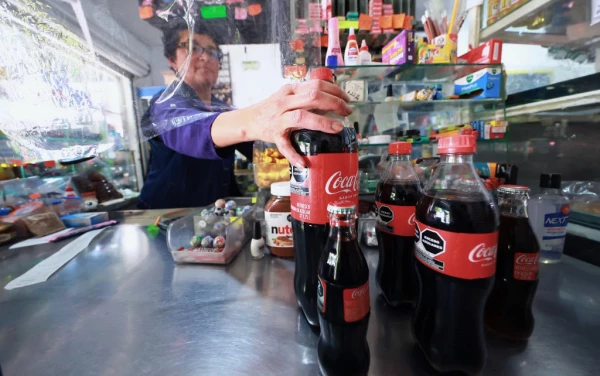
<point>207,241</point>
<point>219,242</point>
<point>220,203</point>
<point>230,205</point>
<point>196,241</point>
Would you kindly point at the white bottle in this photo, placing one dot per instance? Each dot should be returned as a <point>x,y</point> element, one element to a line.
<point>351,52</point>
<point>364,56</point>
<point>548,215</point>
<point>333,44</point>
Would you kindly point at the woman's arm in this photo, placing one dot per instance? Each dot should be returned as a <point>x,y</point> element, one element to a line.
<point>273,119</point>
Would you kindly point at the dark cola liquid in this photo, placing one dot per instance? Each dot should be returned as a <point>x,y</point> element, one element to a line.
<point>448,319</point>
<point>342,347</point>
<point>309,239</point>
<point>508,309</point>
<point>396,275</point>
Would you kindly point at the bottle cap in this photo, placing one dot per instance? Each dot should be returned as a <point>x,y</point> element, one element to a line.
<point>324,74</point>
<point>257,233</point>
<point>512,189</point>
<point>351,36</point>
<point>363,46</point>
<point>550,181</point>
<point>341,207</point>
<point>459,144</point>
<point>281,188</point>
<point>390,91</point>
<point>402,148</point>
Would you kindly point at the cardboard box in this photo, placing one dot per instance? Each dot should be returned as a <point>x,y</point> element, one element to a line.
<point>489,52</point>
<point>400,50</point>
<point>484,83</point>
<point>441,51</point>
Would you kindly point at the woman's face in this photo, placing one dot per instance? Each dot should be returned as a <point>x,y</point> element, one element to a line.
<point>204,68</point>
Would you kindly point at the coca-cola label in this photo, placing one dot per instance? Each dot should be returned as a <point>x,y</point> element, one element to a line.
<point>328,178</point>
<point>322,295</point>
<point>526,266</point>
<point>396,219</point>
<point>460,255</point>
<point>357,303</point>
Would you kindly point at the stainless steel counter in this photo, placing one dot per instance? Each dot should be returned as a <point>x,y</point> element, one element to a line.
<point>122,307</point>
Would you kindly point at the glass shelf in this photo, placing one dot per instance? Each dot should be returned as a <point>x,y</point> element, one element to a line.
<point>429,141</point>
<point>422,73</point>
<point>443,105</point>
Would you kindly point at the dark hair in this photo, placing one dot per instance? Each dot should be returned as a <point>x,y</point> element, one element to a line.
<point>173,29</point>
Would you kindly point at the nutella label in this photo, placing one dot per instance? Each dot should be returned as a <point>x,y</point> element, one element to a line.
<point>279,230</point>
<point>328,178</point>
<point>357,303</point>
<point>460,255</point>
<point>526,266</point>
<point>396,219</point>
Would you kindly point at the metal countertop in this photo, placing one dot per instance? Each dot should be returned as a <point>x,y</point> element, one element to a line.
<point>122,307</point>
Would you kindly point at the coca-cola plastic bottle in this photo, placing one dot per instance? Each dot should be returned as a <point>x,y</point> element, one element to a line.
<point>331,175</point>
<point>343,297</point>
<point>508,309</point>
<point>397,194</point>
<point>455,245</point>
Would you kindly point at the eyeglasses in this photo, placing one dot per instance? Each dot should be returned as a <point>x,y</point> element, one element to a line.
<point>198,50</point>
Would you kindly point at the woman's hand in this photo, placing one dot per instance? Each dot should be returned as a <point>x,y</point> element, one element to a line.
<point>273,119</point>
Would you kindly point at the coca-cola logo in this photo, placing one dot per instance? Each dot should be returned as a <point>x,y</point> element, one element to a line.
<point>359,292</point>
<point>338,183</point>
<point>386,214</point>
<point>411,220</point>
<point>299,175</point>
<point>482,253</point>
<point>528,259</point>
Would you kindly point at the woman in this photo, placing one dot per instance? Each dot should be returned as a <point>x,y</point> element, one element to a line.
<point>192,164</point>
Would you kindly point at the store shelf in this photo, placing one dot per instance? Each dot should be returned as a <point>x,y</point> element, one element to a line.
<point>430,141</point>
<point>473,105</point>
<point>565,24</point>
<point>424,73</point>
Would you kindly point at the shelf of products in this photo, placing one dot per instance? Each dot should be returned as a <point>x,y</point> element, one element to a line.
<point>422,73</point>
<point>543,22</point>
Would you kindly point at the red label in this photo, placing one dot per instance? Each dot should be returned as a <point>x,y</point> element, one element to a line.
<point>396,219</point>
<point>322,295</point>
<point>328,178</point>
<point>357,303</point>
<point>460,255</point>
<point>526,266</point>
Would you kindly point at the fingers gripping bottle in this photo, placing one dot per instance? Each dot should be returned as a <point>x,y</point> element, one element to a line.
<point>456,241</point>
<point>508,309</point>
<point>343,297</point>
<point>396,197</point>
<point>331,174</point>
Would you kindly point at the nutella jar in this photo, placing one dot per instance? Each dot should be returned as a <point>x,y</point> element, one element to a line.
<point>279,221</point>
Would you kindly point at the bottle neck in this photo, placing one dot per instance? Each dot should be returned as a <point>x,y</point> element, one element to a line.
<point>399,158</point>
<point>550,191</point>
<point>514,205</point>
<point>456,158</point>
<point>343,228</point>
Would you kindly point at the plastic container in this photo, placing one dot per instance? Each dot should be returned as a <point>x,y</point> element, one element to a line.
<point>270,166</point>
<point>237,233</point>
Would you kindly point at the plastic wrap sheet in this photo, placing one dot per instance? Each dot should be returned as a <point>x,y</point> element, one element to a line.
<point>57,92</point>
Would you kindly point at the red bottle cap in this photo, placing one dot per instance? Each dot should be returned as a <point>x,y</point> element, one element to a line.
<point>401,148</point>
<point>324,74</point>
<point>460,144</point>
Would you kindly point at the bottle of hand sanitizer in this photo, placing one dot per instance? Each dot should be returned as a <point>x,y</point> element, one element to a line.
<point>548,215</point>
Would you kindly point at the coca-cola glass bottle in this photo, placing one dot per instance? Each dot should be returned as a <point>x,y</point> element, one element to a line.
<point>456,240</point>
<point>508,309</point>
<point>343,297</point>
